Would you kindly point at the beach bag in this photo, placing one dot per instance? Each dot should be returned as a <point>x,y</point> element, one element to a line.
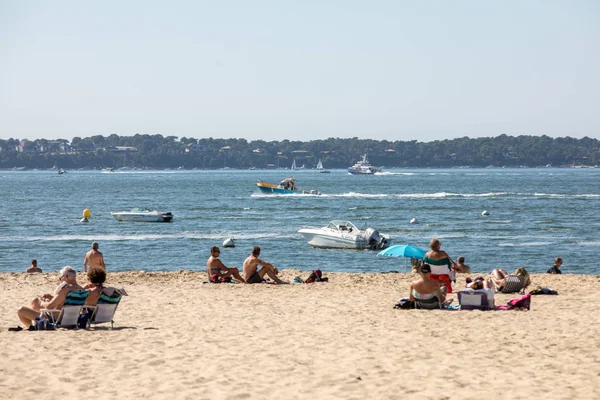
<point>216,278</point>
<point>405,304</point>
<point>84,317</point>
<point>43,324</point>
<point>316,276</point>
<point>523,302</point>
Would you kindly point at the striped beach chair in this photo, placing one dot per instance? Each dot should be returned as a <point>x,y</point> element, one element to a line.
<point>69,314</point>
<point>512,284</point>
<point>104,311</point>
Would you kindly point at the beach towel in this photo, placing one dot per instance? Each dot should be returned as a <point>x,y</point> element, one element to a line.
<point>520,303</point>
<point>543,290</point>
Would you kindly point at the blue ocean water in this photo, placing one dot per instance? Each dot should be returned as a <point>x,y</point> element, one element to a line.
<point>535,216</point>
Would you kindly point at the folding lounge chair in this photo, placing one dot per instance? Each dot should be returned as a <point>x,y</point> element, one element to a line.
<point>429,304</point>
<point>432,303</point>
<point>105,309</point>
<point>471,300</point>
<point>512,284</point>
<point>69,314</point>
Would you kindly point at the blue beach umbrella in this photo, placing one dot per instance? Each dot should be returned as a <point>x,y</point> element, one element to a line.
<point>402,250</point>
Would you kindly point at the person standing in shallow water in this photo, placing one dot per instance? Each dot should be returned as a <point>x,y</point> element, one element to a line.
<point>33,268</point>
<point>94,258</point>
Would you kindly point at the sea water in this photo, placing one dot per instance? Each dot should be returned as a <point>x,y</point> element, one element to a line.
<point>535,216</point>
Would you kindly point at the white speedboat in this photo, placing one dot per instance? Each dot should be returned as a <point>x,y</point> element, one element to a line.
<point>363,167</point>
<point>340,234</point>
<point>139,215</point>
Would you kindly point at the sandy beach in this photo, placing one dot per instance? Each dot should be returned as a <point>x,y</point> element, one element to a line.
<point>178,338</point>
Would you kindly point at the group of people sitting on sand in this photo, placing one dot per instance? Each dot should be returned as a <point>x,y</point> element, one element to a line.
<point>218,272</point>
<point>436,274</point>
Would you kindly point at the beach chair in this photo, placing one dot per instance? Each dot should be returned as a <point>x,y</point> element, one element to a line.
<point>69,314</point>
<point>512,284</point>
<point>432,303</point>
<point>472,300</point>
<point>104,311</point>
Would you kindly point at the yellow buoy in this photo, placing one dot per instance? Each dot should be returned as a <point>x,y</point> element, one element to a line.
<point>87,213</point>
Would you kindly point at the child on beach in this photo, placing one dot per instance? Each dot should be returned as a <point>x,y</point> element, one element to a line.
<point>555,269</point>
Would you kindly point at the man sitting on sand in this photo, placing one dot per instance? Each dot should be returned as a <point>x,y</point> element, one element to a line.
<point>214,266</point>
<point>254,275</point>
<point>94,258</point>
<point>460,266</point>
<point>68,277</point>
<point>428,293</point>
<point>33,268</point>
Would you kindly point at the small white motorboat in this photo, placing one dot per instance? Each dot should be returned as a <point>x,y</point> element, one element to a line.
<point>341,234</point>
<point>141,215</point>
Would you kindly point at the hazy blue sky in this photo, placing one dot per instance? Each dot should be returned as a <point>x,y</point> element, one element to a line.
<point>300,70</point>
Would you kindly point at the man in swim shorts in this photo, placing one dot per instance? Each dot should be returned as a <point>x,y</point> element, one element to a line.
<point>254,275</point>
<point>94,258</point>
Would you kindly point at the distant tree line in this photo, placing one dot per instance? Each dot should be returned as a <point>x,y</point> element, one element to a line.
<point>157,151</point>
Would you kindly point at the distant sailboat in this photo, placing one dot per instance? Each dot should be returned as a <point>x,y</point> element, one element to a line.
<point>294,165</point>
<point>320,168</point>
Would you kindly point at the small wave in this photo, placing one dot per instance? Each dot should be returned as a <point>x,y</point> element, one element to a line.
<point>524,244</point>
<point>65,238</point>
<point>566,196</point>
<point>446,194</point>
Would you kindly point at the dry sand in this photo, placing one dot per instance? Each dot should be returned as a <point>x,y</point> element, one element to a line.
<point>178,338</point>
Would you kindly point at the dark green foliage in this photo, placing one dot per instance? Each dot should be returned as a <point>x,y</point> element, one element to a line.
<point>156,151</point>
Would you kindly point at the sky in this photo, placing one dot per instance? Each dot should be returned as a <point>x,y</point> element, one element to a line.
<point>299,70</point>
